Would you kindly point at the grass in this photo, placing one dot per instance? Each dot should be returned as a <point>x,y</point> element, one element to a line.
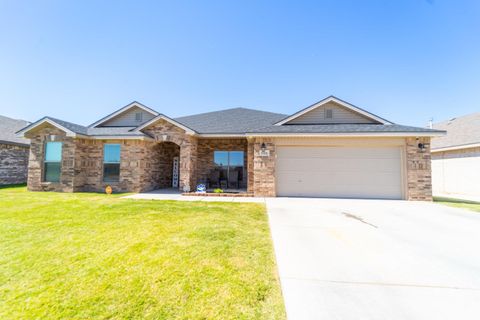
<point>459,203</point>
<point>94,256</point>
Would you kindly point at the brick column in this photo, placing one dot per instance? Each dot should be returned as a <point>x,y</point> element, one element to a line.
<point>264,168</point>
<point>419,171</point>
<point>188,162</point>
<point>250,171</point>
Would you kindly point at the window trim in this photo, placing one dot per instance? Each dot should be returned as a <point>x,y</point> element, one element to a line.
<point>45,161</point>
<point>109,162</point>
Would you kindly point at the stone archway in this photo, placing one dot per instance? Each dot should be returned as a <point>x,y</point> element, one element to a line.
<point>163,163</point>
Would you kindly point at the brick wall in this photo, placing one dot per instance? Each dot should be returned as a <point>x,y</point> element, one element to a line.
<point>264,168</point>
<point>206,148</point>
<point>13,164</point>
<point>419,170</point>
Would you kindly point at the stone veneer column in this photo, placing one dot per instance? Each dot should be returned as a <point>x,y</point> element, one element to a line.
<point>188,161</point>
<point>419,171</point>
<point>250,170</point>
<point>264,168</point>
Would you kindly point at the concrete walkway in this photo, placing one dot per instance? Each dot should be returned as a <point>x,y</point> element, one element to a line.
<point>171,194</point>
<point>374,259</point>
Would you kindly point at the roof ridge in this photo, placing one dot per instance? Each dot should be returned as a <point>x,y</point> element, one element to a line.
<point>229,109</point>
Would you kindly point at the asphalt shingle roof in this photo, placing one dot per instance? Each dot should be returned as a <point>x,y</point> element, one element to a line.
<point>8,128</point>
<point>340,128</point>
<point>114,131</point>
<point>241,121</point>
<point>70,125</point>
<point>237,120</point>
<point>460,131</point>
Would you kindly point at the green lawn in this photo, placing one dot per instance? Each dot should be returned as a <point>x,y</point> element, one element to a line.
<point>94,256</point>
<point>458,203</point>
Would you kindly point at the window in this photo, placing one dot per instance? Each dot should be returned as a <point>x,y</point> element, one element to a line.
<point>138,116</point>
<point>52,162</point>
<point>328,113</point>
<point>230,164</point>
<point>111,162</point>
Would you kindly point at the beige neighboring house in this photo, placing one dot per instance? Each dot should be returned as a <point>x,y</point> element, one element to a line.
<point>329,149</point>
<point>13,152</point>
<point>456,157</point>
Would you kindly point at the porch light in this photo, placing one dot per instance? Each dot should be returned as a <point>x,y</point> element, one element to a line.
<point>263,146</point>
<point>421,146</point>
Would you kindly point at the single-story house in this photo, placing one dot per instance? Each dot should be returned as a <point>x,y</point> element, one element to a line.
<point>329,149</point>
<point>456,156</point>
<point>14,152</point>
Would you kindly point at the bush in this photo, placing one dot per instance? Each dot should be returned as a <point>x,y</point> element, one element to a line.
<point>218,190</point>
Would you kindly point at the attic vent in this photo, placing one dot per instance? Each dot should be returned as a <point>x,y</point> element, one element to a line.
<point>138,116</point>
<point>328,113</point>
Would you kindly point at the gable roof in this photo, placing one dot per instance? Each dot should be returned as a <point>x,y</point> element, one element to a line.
<point>462,132</point>
<point>131,105</point>
<point>164,117</point>
<point>74,130</point>
<point>8,128</point>
<point>71,129</point>
<point>230,121</point>
<point>234,122</point>
<point>343,103</point>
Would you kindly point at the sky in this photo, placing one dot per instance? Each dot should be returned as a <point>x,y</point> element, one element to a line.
<point>404,60</point>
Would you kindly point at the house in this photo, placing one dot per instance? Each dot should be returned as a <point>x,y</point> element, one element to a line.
<point>456,157</point>
<point>329,149</point>
<point>13,152</point>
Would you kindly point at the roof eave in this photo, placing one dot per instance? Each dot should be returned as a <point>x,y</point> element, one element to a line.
<point>68,132</point>
<point>346,134</point>
<point>457,147</point>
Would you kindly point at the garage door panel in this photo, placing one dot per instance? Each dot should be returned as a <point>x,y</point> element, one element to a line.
<point>337,178</point>
<point>339,172</point>
<point>337,164</point>
<point>338,152</point>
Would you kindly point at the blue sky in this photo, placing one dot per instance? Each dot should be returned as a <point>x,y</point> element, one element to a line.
<point>405,60</point>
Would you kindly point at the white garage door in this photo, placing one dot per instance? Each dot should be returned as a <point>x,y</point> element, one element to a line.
<point>343,172</point>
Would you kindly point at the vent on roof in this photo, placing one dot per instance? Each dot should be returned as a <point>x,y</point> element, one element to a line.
<point>138,116</point>
<point>328,113</point>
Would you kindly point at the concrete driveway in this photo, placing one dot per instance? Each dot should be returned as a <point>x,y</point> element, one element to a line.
<point>374,259</point>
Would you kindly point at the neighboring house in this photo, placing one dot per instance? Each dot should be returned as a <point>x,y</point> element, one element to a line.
<point>330,149</point>
<point>13,152</point>
<point>456,156</point>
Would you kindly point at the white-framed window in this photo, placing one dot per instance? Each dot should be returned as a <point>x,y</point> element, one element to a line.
<point>52,161</point>
<point>138,117</point>
<point>111,162</point>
